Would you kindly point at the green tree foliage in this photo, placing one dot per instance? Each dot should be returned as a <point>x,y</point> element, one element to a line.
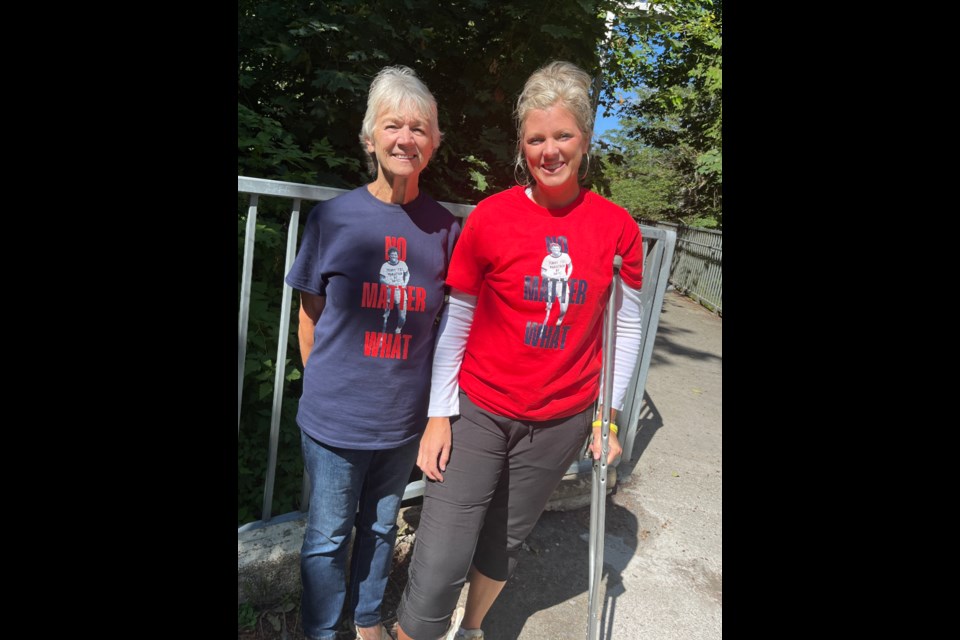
<point>306,66</point>
<point>640,178</point>
<point>671,57</point>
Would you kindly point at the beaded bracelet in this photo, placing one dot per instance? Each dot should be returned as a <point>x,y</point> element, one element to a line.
<point>613,426</point>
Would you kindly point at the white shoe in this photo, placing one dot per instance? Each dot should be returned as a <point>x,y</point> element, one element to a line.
<point>384,634</point>
<point>469,634</point>
<point>454,624</point>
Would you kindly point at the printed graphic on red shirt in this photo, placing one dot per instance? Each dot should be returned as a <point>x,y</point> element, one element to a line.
<point>393,294</point>
<point>555,288</point>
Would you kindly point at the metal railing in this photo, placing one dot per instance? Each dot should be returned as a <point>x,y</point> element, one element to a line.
<point>697,268</point>
<point>658,254</point>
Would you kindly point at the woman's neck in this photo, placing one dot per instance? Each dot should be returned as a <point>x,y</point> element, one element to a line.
<point>403,190</point>
<point>553,198</point>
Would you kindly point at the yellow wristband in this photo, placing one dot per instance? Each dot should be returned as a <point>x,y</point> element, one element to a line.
<point>613,426</point>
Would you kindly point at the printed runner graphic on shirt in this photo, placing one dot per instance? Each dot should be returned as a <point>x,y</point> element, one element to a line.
<point>554,284</point>
<point>395,275</point>
<point>392,292</point>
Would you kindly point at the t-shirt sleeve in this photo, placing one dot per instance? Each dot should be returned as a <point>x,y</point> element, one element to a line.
<point>630,247</point>
<point>452,239</point>
<point>468,264</point>
<point>307,270</point>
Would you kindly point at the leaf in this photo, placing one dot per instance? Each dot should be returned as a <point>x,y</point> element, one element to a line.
<point>324,26</point>
<point>333,80</point>
<point>711,162</point>
<point>246,616</point>
<point>675,474</point>
<point>274,621</point>
<point>266,389</point>
<point>557,31</point>
<point>479,180</point>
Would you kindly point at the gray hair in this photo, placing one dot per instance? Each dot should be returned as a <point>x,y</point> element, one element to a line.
<point>560,83</point>
<point>396,88</point>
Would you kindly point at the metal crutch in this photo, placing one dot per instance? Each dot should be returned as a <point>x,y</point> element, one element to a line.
<point>598,496</point>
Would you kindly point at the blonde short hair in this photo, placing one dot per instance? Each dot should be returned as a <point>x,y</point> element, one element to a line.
<point>561,83</point>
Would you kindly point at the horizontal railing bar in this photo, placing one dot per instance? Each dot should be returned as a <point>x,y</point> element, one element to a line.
<point>311,192</point>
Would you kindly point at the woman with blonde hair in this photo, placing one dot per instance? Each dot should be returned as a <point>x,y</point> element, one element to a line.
<point>513,392</point>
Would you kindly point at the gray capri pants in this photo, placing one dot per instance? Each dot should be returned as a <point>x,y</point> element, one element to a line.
<point>468,517</point>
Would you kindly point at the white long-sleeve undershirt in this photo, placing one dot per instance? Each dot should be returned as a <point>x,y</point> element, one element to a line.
<point>626,342</point>
<point>454,330</point>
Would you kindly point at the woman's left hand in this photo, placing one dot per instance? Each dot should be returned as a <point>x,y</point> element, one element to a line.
<point>613,446</point>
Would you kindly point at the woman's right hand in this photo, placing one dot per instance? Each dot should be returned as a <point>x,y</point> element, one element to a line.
<point>435,448</point>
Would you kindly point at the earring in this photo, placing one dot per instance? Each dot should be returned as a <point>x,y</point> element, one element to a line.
<point>585,173</point>
<point>520,171</point>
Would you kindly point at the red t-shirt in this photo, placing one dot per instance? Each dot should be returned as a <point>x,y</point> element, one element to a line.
<point>525,263</point>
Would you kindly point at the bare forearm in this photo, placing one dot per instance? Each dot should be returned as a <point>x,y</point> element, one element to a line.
<point>305,334</point>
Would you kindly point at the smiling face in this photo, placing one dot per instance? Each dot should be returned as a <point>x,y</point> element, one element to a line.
<point>553,147</point>
<point>401,143</point>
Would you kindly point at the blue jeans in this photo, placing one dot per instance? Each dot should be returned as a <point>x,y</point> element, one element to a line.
<point>341,482</point>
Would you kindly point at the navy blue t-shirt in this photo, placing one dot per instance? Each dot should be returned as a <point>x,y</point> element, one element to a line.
<point>382,268</point>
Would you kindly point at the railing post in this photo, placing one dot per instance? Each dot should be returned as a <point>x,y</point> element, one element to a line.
<point>281,363</point>
<point>251,232</point>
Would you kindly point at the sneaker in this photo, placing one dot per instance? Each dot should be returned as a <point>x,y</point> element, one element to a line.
<point>454,624</point>
<point>384,634</point>
<point>469,634</point>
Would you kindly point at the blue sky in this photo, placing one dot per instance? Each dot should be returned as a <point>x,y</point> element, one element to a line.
<point>601,125</point>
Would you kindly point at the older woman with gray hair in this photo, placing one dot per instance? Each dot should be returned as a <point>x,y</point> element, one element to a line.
<point>381,246</point>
